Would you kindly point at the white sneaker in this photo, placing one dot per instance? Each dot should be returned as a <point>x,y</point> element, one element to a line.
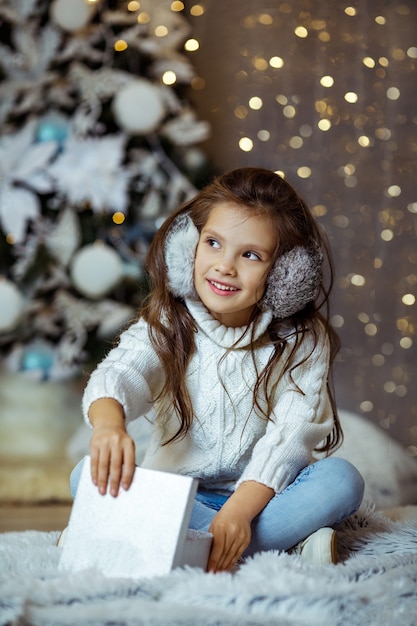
<point>320,547</point>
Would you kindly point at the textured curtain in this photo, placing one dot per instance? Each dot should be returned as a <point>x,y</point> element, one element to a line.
<point>326,93</point>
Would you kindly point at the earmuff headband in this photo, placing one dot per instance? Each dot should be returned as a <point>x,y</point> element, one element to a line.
<point>293,281</point>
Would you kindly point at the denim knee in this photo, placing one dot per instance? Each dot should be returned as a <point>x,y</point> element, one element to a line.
<point>351,484</point>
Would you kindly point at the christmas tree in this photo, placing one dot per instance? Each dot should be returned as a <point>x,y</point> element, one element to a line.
<point>98,144</point>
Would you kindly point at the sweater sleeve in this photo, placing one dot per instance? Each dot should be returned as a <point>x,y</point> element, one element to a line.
<point>131,373</point>
<point>301,420</point>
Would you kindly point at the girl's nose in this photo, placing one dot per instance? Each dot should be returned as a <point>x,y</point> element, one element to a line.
<point>226,265</point>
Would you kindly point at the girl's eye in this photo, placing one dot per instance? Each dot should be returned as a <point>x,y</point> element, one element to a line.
<point>252,256</point>
<point>213,243</point>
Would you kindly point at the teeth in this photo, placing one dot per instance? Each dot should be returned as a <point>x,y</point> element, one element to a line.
<point>222,287</point>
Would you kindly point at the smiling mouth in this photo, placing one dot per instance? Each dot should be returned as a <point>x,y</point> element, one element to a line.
<point>221,287</point>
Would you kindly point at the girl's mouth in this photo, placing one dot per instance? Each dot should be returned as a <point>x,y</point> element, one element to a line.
<point>219,288</point>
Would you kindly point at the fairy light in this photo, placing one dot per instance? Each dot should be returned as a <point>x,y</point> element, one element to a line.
<point>301,32</point>
<point>265,19</point>
<point>289,111</point>
<point>351,97</point>
<point>118,217</point>
<point>324,125</point>
<point>191,45</point>
<point>394,191</point>
<point>197,10</point>
<point>327,81</point>
<point>368,62</point>
<point>143,18</point>
<point>169,77</point>
<point>409,299</point>
<point>255,103</point>
<point>304,172</point>
<point>241,112</point>
<point>263,135</point>
<point>358,280</point>
<point>364,141</point>
<point>246,144</point>
<point>120,45</point>
<point>276,62</point>
<point>387,235</point>
<point>393,93</point>
<point>161,31</point>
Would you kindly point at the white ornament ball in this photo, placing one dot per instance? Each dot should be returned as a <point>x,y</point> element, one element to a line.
<point>96,270</point>
<point>71,15</point>
<point>138,107</point>
<point>11,307</point>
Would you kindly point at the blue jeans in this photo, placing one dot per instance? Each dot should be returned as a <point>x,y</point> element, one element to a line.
<point>323,494</point>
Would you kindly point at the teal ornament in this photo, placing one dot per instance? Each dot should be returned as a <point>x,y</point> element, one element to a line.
<point>39,359</point>
<point>52,128</point>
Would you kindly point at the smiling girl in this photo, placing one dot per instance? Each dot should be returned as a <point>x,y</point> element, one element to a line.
<point>230,359</point>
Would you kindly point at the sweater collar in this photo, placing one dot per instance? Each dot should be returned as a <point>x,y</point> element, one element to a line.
<point>225,336</point>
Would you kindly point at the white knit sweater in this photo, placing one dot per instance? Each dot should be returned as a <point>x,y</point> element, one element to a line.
<point>228,442</point>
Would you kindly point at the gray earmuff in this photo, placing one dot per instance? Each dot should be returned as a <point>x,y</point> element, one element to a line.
<point>294,281</point>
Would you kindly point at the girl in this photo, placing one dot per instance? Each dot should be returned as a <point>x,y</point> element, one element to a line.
<point>230,360</point>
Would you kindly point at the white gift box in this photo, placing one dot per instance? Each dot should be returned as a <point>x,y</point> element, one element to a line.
<point>143,532</point>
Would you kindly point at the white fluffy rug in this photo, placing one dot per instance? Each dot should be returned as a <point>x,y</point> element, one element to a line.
<point>374,584</point>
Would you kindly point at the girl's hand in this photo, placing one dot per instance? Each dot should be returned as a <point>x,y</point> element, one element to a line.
<point>112,458</point>
<point>231,527</point>
<point>231,537</point>
<point>112,450</point>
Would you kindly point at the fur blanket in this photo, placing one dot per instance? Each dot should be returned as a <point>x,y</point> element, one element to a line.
<point>375,583</point>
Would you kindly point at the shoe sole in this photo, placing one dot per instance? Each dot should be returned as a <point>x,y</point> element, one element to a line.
<point>321,548</point>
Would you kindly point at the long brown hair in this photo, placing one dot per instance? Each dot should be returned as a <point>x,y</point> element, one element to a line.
<point>259,192</point>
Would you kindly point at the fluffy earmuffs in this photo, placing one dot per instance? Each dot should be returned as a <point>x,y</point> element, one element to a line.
<point>293,282</point>
<point>180,246</point>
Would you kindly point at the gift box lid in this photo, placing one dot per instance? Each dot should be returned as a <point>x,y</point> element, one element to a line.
<point>142,532</point>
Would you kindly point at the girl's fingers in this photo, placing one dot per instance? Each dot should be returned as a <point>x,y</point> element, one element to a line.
<point>94,465</point>
<point>103,470</point>
<point>230,558</point>
<point>115,471</point>
<point>223,555</point>
<point>216,554</point>
<point>129,464</point>
<point>112,455</point>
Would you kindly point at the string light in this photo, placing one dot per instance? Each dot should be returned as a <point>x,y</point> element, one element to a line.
<point>197,10</point>
<point>118,217</point>
<point>246,144</point>
<point>120,45</point>
<point>169,77</point>
<point>161,31</point>
<point>191,45</point>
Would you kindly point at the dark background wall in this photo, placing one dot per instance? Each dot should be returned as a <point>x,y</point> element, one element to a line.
<point>325,92</point>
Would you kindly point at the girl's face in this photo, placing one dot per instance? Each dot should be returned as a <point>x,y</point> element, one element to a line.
<point>234,255</point>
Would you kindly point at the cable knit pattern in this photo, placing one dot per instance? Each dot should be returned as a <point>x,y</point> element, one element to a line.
<point>228,442</point>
